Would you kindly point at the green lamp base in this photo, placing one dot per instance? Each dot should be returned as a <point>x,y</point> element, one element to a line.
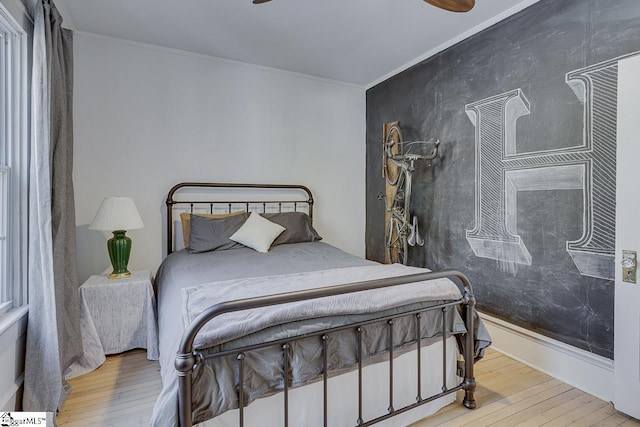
<point>119,247</point>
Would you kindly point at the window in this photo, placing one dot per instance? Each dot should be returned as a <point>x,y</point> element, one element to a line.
<point>5,280</point>
<point>13,163</point>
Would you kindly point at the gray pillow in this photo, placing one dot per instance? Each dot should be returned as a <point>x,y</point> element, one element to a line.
<point>212,234</point>
<point>297,226</point>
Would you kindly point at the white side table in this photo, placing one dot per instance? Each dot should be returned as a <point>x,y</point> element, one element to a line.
<point>116,315</point>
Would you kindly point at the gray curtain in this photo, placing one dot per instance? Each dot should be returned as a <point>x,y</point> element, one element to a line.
<point>53,331</point>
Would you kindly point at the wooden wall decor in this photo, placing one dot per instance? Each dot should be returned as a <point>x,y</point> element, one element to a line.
<point>391,132</point>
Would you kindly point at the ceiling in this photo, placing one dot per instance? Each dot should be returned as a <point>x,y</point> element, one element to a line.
<point>354,41</point>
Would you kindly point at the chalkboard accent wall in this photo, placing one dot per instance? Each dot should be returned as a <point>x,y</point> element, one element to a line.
<point>522,196</point>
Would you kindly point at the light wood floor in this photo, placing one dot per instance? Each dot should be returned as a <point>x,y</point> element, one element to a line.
<point>122,392</point>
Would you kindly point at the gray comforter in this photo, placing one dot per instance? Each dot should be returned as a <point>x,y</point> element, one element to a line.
<point>235,325</point>
<point>189,283</point>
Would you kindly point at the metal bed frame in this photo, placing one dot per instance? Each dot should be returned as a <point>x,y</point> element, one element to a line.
<point>188,359</point>
<point>229,204</point>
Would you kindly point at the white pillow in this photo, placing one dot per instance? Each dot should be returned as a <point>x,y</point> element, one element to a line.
<point>257,233</point>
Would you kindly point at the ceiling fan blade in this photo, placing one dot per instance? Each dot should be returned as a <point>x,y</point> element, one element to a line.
<point>453,5</point>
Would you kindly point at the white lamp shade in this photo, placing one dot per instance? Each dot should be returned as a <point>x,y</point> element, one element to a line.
<point>117,213</point>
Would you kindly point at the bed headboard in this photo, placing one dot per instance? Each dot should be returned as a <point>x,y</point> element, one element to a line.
<point>209,197</point>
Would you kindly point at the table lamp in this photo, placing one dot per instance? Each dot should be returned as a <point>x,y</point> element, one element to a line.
<point>117,214</point>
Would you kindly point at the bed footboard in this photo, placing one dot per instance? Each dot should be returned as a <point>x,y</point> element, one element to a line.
<point>187,359</point>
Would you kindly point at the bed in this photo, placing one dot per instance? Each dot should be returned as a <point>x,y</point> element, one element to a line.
<point>303,334</point>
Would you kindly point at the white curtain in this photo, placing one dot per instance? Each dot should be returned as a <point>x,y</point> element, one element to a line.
<point>53,331</point>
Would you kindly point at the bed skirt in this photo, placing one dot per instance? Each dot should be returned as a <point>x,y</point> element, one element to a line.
<point>305,403</point>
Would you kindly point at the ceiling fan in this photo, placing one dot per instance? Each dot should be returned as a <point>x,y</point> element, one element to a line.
<point>451,5</point>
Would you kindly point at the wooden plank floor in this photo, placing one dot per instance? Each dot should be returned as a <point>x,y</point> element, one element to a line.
<point>122,392</point>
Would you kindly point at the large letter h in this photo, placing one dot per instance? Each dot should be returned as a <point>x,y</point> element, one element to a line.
<point>501,172</point>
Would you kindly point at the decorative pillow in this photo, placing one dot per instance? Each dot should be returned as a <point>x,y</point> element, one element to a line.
<point>257,233</point>
<point>212,234</point>
<point>297,226</point>
<point>186,227</point>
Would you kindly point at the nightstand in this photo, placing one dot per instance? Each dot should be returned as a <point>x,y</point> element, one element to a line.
<point>116,315</point>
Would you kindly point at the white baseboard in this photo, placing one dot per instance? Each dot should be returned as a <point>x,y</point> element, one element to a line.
<point>583,370</point>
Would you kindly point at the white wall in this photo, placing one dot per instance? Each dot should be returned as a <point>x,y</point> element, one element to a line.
<point>146,118</point>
